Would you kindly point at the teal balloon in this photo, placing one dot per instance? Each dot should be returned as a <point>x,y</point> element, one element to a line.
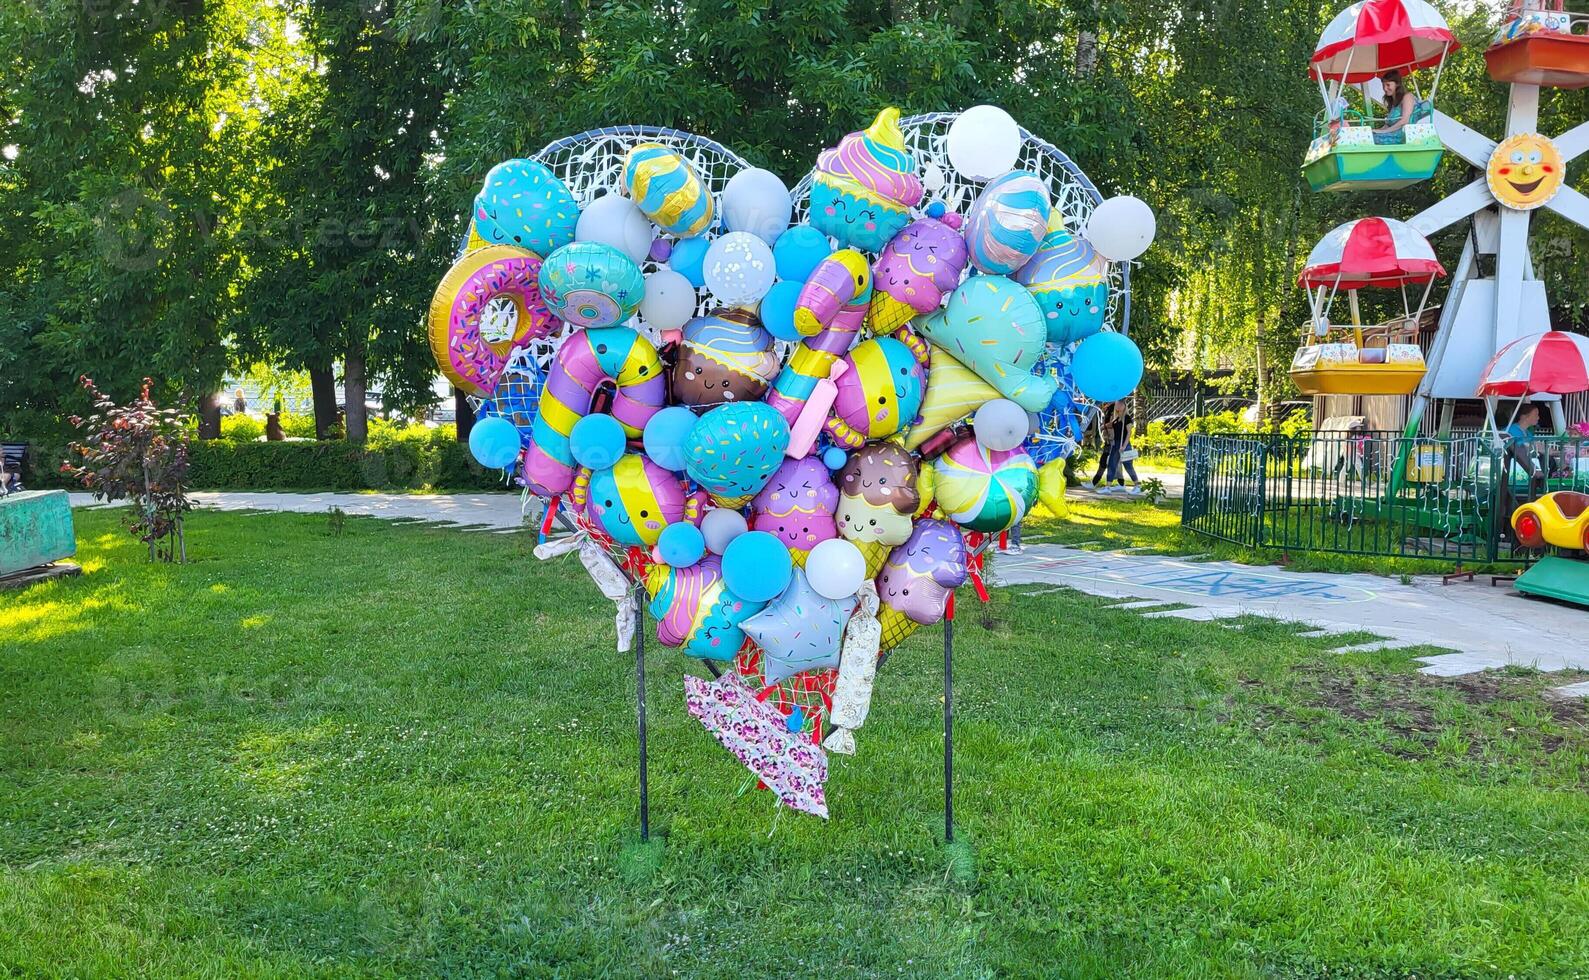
<point>1106,367</point>
<point>757,566</point>
<point>597,441</point>
<point>681,545</point>
<point>665,436</point>
<point>494,442</point>
<point>735,449</point>
<point>798,252</point>
<point>778,309</point>
<point>688,259</point>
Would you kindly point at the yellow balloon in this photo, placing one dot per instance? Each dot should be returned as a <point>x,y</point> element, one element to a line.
<point>1051,486</point>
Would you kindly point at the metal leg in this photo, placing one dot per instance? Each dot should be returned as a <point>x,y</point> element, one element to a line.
<point>640,701</point>
<point>948,730</point>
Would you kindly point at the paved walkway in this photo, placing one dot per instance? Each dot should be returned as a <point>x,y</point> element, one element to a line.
<point>493,511</point>
<point>1485,627</point>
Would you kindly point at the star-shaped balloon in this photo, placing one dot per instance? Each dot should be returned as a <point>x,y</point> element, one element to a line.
<point>799,630</point>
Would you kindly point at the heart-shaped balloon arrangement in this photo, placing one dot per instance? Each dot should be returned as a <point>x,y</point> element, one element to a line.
<point>800,463</point>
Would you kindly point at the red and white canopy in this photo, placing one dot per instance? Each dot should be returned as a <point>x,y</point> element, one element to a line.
<point>1372,37</point>
<point>1550,363</point>
<point>1370,252</point>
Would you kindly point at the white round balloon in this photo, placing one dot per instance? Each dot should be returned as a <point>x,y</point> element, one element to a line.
<point>614,220</point>
<point>720,526</point>
<point>739,269</point>
<point>669,300</point>
<point>984,142</point>
<point>1121,228</point>
<point>756,201</point>
<point>835,568</point>
<point>1001,425</point>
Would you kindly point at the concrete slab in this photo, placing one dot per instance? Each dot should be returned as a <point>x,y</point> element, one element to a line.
<point>496,511</point>
<point>1487,627</point>
<point>1578,690</point>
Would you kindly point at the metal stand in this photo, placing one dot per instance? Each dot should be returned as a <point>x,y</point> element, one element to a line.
<point>948,730</point>
<point>640,701</point>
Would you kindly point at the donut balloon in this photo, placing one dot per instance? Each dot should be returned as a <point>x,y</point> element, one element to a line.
<point>587,360</point>
<point>664,186</point>
<point>1070,282</point>
<point>523,203</point>
<point>917,578</point>
<point>878,395</point>
<point>695,611</point>
<point>635,499</point>
<point>984,489</point>
<point>1007,221</point>
<point>488,303</point>
<point>877,495</point>
<point>725,356</point>
<point>592,285</point>
<point>796,506</point>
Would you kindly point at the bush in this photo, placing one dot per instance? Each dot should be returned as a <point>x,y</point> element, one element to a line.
<point>427,459</point>
<point>241,428</point>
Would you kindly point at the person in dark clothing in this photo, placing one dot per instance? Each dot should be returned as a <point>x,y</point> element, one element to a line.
<point>1122,456</point>
<point>1106,433</point>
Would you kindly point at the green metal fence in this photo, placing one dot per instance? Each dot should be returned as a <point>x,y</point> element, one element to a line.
<point>1373,493</point>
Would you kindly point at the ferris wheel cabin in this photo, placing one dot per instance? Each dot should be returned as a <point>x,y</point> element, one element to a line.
<point>1540,43</point>
<point>1360,143</point>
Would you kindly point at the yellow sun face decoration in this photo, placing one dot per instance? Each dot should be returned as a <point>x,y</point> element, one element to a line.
<point>1525,171</point>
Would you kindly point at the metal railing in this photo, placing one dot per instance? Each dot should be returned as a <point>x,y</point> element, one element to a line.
<point>1374,493</point>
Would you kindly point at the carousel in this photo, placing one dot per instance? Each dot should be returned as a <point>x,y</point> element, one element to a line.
<point>1381,358</point>
<point>1541,44</point>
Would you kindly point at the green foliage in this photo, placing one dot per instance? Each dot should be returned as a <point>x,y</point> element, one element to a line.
<point>428,459</point>
<point>241,428</point>
<point>1157,440</point>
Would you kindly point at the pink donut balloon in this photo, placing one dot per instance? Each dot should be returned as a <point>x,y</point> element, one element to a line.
<point>488,303</point>
<point>586,361</point>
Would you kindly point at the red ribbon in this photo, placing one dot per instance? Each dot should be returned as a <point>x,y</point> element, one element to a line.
<point>974,556</point>
<point>551,512</point>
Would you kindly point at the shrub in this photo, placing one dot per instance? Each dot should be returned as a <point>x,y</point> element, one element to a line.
<point>241,428</point>
<point>433,460</point>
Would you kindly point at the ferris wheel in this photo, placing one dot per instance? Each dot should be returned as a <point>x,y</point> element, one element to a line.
<point>1385,42</point>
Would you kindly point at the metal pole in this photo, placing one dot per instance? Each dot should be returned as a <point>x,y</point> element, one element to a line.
<point>640,700</point>
<point>948,730</point>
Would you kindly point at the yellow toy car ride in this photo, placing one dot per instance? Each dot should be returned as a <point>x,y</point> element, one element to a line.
<point>1560,519</point>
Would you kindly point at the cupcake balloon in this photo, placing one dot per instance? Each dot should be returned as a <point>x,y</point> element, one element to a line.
<point>1069,280</point>
<point>864,187</point>
<point>725,356</point>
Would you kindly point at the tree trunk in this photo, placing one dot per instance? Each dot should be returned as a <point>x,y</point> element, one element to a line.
<point>463,414</point>
<point>323,386</point>
<point>210,416</point>
<point>353,391</point>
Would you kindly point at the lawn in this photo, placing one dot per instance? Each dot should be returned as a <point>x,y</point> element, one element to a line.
<point>406,750</point>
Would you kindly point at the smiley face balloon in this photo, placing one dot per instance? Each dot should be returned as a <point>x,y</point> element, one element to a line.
<point>1525,171</point>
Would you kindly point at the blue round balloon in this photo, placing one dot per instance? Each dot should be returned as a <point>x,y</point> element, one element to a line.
<point>757,566</point>
<point>665,436</point>
<point>494,442</point>
<point>798,252</point>
<point>681,545</point>
<point>597,441</point>
<point>834,458</point>
<point>1106,366</point>
<point>778,309</point>
<point>688,259</point>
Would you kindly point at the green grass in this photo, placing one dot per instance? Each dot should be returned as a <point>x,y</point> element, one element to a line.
<point>405,750</point>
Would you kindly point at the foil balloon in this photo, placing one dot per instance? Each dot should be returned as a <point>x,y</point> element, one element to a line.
<point>723,357</point>
<point>877,495</point>
<point>954,391</point>
<point>664,186</point>
<point>831,309</point>
<point>917,269</point>
<point>634,500</point>
<point>1070,282</point>
<point>1051,487</point>
<point>878,394</point>
<point>523,203</point>
<point>983,489</point>
<point>592,285</point>
<point>1007,221</point>
<point>695,611</point>
<point>586,361</point>
<point>797,506</point>
<point>915,582</point>
<point>735,449</point>
<point>994,327</point>
<point>799,630</point>
<point>863,188</point>
<point>488,303</point>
